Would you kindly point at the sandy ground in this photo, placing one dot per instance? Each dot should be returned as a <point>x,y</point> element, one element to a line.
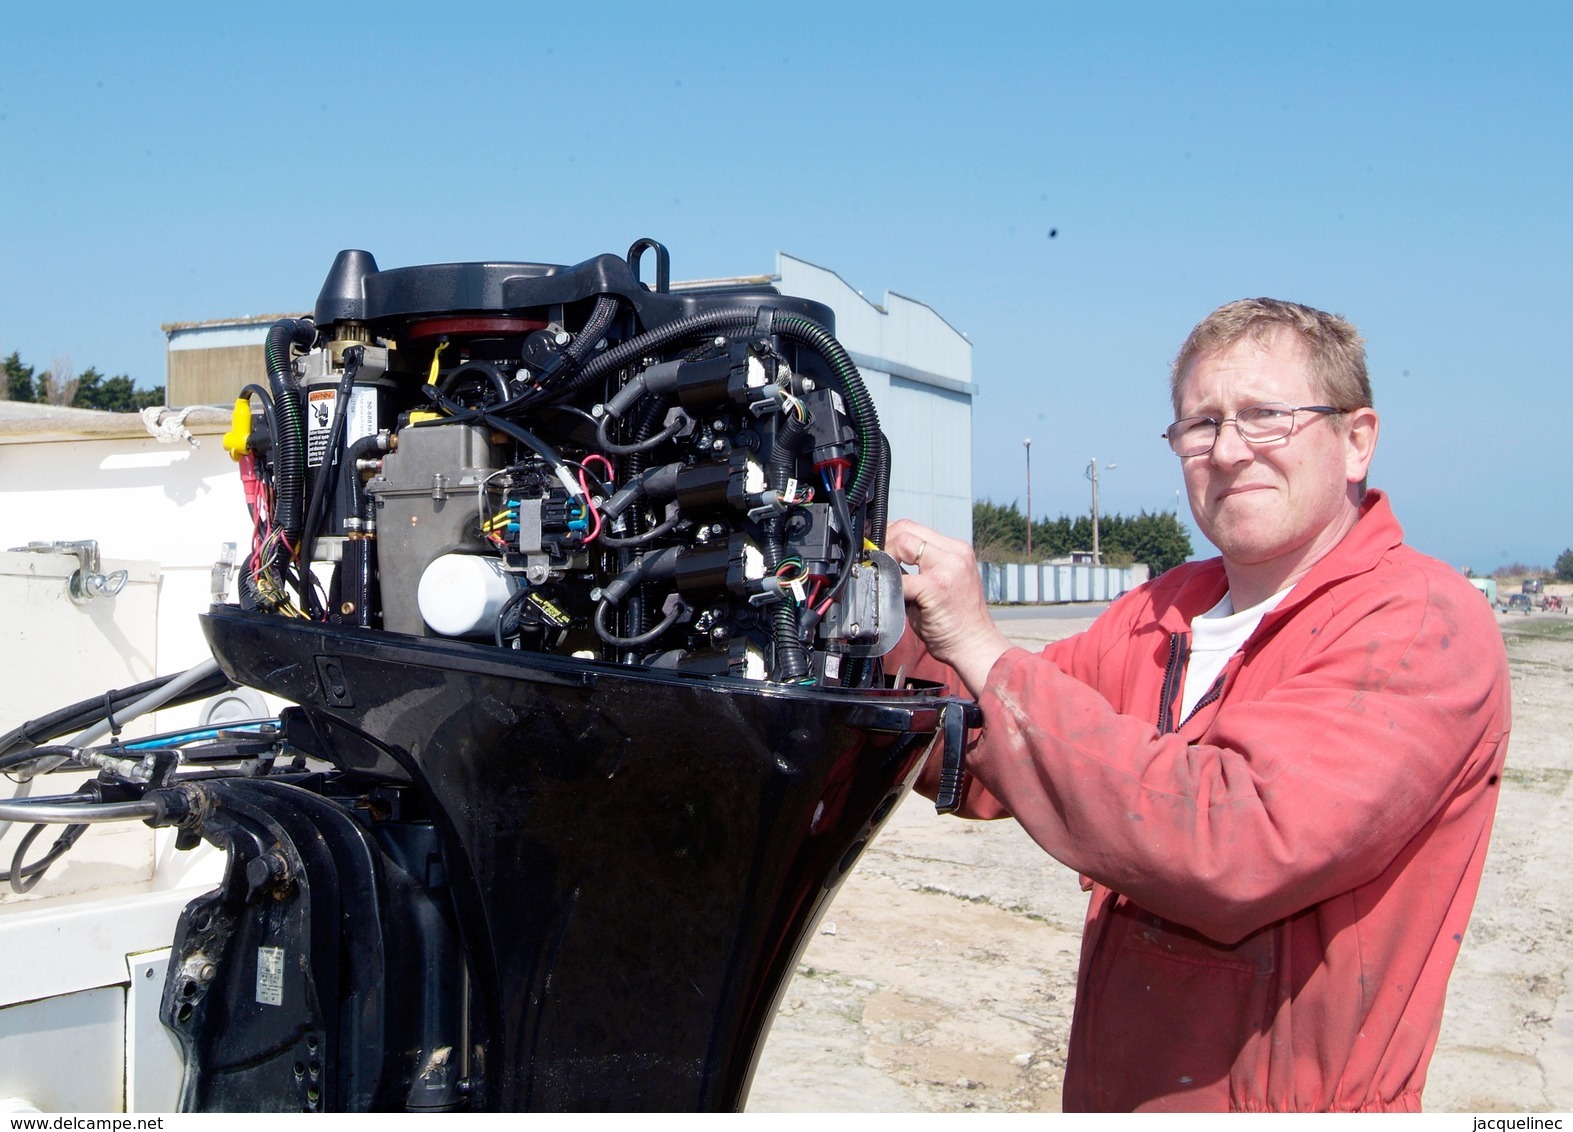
<point>943,976</point>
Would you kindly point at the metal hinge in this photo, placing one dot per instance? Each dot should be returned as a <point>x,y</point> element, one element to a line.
<point>89,581</point>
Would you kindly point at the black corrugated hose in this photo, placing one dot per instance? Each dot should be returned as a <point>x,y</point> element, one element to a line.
<point>791,658</point>
<point>289,445</point>
<point>860,407</point>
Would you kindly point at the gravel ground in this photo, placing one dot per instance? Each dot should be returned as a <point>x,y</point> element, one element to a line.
<point>942,977</point>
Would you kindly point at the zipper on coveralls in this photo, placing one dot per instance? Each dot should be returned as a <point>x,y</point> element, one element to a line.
<point>1173,680</point>
<point>1208,697</point>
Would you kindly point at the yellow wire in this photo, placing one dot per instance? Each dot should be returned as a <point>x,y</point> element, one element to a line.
<point>436,356</point>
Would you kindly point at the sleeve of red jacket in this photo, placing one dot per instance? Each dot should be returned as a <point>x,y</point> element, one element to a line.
<point>1077,655</point>
<point>1299,795</point>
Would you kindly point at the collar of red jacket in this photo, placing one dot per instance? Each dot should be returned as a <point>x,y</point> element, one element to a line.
<point>1199,586</point>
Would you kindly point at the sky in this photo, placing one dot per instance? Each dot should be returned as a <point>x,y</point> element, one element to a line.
<point>1072,185</point>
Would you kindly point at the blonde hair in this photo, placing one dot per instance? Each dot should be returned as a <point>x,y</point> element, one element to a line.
<point>1335,348</point>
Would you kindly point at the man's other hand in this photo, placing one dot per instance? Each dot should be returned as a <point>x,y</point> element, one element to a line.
<point>945,603</point>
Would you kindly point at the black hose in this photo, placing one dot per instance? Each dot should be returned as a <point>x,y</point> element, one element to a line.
<point>643,537</point>
<point>515,600</point>
<point>358,567</point>
<point>459,414</point>
<point>83,714</point>
<point>879,507</point>
<point>792,665</point>
<point>17,759</point>
<point>265,399</point>
<point>289,441</point>
<point>860,407</point>
<point>489,372</point>
<point>791,657</point>
<point>865,419</point>
<point>732,318</point>
<point>356,500</point>
<point>644,638</point>
<point>327,478</point>
<point>607,444</point>
<point>594,329</point>
<point>24,877</point>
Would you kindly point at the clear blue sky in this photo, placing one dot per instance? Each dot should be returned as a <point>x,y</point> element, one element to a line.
<point>1407,165</point>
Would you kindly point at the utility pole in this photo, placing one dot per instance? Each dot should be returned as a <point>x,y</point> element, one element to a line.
<point>1027,444</point>
<point>1092,474</point>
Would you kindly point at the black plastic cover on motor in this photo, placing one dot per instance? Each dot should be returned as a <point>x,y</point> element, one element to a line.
<point>635,859</point>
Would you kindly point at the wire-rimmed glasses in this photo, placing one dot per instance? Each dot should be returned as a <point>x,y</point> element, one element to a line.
<point>1256,424</point>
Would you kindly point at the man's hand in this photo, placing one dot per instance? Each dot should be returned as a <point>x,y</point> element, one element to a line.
<point>945,603</point>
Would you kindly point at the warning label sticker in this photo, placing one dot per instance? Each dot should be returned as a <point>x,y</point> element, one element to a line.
<point>322,403</point>
<point>270,976</point>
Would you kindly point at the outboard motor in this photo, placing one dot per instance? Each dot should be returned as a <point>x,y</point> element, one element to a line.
<point>577,583</point>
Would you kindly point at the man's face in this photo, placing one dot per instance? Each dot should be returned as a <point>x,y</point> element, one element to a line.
<point>1289,499</point>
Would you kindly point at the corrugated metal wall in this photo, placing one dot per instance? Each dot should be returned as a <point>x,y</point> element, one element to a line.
<point>213,376</point>
<point>1022,583</point>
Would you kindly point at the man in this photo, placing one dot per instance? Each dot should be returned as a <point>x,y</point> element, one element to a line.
<point>1276,770</point>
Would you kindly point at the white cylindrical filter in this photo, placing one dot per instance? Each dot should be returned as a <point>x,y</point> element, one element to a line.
<point>460,595</point>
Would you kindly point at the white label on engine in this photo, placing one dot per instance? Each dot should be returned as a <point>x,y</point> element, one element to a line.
<point>362,420</point>
<point>270,976</point>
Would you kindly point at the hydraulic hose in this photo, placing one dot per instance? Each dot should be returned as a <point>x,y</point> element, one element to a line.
<point>289,445</point>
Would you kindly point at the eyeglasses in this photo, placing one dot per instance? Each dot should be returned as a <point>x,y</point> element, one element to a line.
<point>1256,424</point>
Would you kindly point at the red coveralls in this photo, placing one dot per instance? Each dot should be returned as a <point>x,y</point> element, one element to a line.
<point>1280,883</point>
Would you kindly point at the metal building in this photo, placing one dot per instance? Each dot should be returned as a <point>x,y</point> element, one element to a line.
<point>208,363</point>
<point>918,369</point>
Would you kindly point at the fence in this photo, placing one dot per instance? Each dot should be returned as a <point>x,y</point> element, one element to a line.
<point>1041,583</point>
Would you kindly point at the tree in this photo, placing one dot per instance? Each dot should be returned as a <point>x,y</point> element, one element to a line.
<point>1565,566</point>
<point>18,383</point>
<point>1157,539</point>
<point>998,533</point>
<point>114,394</point>
<point>56,386</point>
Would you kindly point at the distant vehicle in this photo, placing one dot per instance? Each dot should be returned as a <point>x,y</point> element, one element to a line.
<point>1532,586</point>
<point>1519,602</point>
<point>1551,603</point>
<point>1487,586</point>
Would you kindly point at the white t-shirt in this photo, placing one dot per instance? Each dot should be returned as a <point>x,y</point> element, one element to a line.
<point>1216,636</point>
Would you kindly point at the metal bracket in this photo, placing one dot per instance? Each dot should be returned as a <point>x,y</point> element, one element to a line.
<point>88,582</point>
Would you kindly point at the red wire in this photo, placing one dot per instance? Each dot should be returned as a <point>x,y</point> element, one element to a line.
<point>584,483</point>
<point>610,471</point>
